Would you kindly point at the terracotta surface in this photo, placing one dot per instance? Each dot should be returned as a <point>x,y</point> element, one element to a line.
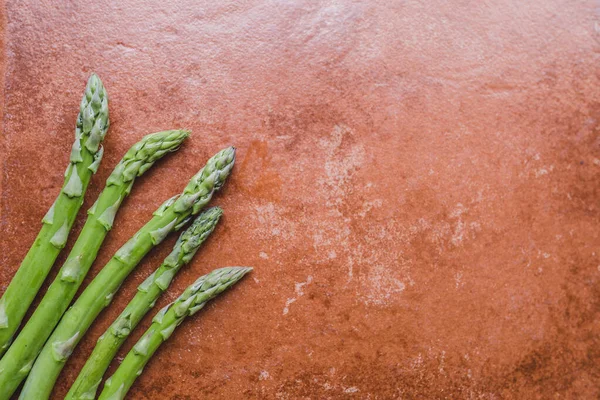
<point>417,186</point>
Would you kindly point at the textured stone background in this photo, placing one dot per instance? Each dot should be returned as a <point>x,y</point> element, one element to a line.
<point>417,186</point>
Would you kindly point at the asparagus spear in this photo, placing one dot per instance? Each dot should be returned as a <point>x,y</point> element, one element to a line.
<point>18,360</point>
<point>86,153</point>
<point>164,323</point>
<point>89,378</point>
<point>172,215</point>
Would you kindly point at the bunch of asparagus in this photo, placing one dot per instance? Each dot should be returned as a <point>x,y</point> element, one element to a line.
<point>44,344</point>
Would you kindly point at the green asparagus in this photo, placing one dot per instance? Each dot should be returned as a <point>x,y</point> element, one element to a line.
<point>170,216</point>
<point>89,378</point>
<point>18,360</point>
<point>86,153</point>
<point>164,323</point>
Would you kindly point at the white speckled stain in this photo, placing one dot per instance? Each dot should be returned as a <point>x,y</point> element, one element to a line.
<point>264,375</point>
<point>543,171</point>
<point>368,206</point>
<point>458,283</point>
<point>442,360</point>
<point>335,187</point>
<point>382,285</point>
<point>299,291</point>
<point>458,210</point>
<point>459,231</point>
<point>377,267</point>
<point>272,224</point>
<point>339,170</point>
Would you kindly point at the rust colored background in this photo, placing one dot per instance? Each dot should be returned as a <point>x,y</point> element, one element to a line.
<point>417,186</point>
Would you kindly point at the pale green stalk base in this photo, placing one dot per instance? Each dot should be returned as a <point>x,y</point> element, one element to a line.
<point>17,362</point>
<point>92,124</point>
<point>149,291</point>
<point>164,323</point>
<point>172,215</point>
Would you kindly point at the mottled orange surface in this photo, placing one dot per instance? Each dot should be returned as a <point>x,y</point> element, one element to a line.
<point>417,186</point>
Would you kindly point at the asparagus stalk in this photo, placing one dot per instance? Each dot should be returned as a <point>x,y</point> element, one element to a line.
<point>172,215</point>
<point>19,358</point>
<point>86,153</point>
<point>164,323</point>
<point>89,378</point>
